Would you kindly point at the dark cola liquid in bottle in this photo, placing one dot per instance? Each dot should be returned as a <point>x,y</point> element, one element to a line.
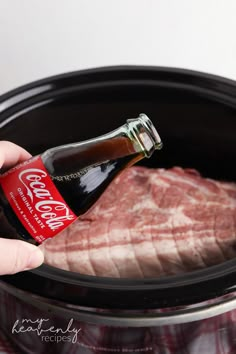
<point>44,195</point>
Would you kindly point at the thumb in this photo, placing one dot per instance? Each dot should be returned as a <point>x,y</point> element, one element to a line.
<point>16,256</point>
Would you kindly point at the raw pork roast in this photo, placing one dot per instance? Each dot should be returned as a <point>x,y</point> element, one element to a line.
<point>149,223</point>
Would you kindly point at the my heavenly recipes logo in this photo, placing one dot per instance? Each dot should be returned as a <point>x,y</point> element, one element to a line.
<point>48,333</point>
<point>69,333</point>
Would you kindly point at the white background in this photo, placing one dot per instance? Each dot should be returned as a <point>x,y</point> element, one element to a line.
<point>42,38</point>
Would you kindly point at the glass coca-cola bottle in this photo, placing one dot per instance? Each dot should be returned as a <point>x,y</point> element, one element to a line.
<point>42,196</point>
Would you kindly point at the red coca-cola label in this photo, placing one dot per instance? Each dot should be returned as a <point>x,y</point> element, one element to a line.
<point>35,200</point>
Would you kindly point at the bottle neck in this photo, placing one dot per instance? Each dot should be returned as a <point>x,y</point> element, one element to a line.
<point>112,146</point>
<point>82,171</point>
<point>136,137</point>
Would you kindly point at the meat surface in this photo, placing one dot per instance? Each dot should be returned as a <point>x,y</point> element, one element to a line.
<point>150,223</point>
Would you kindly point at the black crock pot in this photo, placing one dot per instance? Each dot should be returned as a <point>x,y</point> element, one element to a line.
<point>195,114</point>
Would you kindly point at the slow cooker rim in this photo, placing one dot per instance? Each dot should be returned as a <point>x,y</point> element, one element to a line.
<point>132,318</point>
<point>207,274</point>
<point>165,282</point>
<point>187,73</point>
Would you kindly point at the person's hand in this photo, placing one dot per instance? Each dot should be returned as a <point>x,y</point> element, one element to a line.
<point>16,255</point>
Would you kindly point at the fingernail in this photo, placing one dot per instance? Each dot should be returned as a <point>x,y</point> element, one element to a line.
<point>35,260</point>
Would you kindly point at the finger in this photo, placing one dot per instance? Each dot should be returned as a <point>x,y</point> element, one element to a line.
<point>12,154</point>
<point>16,256</point>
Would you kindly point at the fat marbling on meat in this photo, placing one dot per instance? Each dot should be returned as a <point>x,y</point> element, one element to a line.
<point>149,223</point>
